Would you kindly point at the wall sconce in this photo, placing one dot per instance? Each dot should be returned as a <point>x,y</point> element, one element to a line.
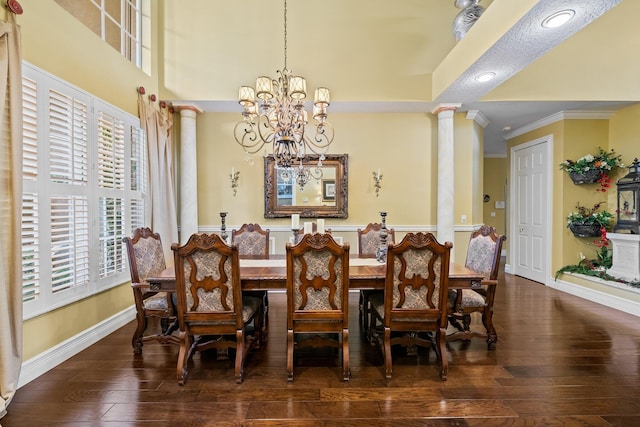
<point>234,180</point>
<point>377,177</point>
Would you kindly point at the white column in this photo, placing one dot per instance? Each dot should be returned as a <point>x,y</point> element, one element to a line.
<point>446,172</point>
<point>188,172</point>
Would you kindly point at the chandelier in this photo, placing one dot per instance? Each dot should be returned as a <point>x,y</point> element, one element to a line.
<point>274,113</point>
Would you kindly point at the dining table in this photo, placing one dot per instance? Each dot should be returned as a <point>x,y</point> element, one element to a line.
<point>271,274</point>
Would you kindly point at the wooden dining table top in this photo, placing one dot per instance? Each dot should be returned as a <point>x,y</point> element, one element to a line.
<point>271,273</point>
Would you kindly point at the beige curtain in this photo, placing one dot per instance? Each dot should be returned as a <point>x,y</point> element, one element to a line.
<point>158,125</point>
<point>10,211</point>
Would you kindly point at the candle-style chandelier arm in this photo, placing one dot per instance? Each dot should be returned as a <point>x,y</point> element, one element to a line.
<point>320,141</point>
<point>245,133</point>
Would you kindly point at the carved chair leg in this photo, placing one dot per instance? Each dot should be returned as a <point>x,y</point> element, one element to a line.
<point>172,327</point>
<point>136,340</point>
<point>387,353</point>
<point>487,321</point>
<point>455,323</point>
<point>441,350</point>
<point>466,322</point>
<point>258,329</point>
<point>361,312</point>
<point>346,371</point>
<point>265,322</point>
<point>185,344</point>
<point>240,355</point>
<point>290,344</point>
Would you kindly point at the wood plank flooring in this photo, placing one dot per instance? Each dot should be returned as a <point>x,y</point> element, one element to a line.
<point>560,361</point>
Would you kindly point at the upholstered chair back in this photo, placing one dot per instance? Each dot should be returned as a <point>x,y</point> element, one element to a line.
<point>369,239</point>
<point>146,257</point>
<point>252,240</point>
<point>317,273</point>
<point>483,252</point>
<point>207,280</point>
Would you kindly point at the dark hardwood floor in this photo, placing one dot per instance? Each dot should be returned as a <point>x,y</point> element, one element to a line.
<point>560,361</point>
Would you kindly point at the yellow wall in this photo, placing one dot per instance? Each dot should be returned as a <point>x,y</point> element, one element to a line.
<point>402,145</point>
<point>624,134</point>
<point>399,144</point>
<point>464,168</point>
<point>50,329</point>
<point>495,179</point>
<point>572,139</point>
<point>56,42</point>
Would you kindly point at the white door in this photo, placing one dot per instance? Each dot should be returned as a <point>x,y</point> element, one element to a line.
<point>531,204</point>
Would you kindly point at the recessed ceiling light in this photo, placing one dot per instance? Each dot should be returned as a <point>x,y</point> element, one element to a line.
<point>559,18</point>
<point>506,129</point>
<point>485,77</point>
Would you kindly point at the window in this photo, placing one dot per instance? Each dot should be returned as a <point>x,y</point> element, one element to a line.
<point>117,22</point>
<point>84,189</point>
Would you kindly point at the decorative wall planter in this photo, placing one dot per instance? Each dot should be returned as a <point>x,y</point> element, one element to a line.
<point>588,177</point>
<point>585,230</point>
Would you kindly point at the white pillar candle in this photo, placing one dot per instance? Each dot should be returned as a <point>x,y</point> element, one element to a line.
<point>295,222</point>
<point>308,228</point>
<point>320,223</point>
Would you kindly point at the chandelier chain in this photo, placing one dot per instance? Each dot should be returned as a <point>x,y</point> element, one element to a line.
<point>285,34</point>
<point>274,114</point>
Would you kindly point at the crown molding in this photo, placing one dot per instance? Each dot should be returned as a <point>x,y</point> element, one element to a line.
<point>562,115</point>
<point>478,117</point>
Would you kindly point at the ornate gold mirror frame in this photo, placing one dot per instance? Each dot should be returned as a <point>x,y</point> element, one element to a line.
<point>325,195</point>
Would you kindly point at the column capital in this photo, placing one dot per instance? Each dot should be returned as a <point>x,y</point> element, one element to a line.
<point>445,107</point>
<point>478,117</point>
<point>186,107</point>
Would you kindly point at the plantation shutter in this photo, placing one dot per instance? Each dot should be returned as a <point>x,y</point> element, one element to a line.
<point>30,223</point>
<point>69,213</point>
<point>139,178</point>
<point>111,178</point>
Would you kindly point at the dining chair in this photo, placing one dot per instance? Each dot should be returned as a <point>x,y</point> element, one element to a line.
<point>368,245</point>
<point>253,242</point>
<point>415,298</point>
<point>146,258</point>
<point>211,306</point>
<point>483,256</point>
<point>318,296</point>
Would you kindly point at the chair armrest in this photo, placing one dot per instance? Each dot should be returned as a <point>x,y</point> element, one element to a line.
<point>488,282</point>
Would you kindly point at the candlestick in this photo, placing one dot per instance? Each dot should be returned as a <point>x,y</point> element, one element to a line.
<point>223,227</point>
<point>381,253</point>
<point>295,234</point>
<point>295,221</point>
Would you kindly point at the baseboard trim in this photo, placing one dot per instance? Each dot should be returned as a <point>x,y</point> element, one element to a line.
<point>43,362</point>
<point>612,301</point>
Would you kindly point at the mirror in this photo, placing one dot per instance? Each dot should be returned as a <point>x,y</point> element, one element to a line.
<point>323,196</point>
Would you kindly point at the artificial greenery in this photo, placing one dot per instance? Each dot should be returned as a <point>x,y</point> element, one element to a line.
<point>597,267</point>
<point>590,216</point>
<point>604,161</point>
